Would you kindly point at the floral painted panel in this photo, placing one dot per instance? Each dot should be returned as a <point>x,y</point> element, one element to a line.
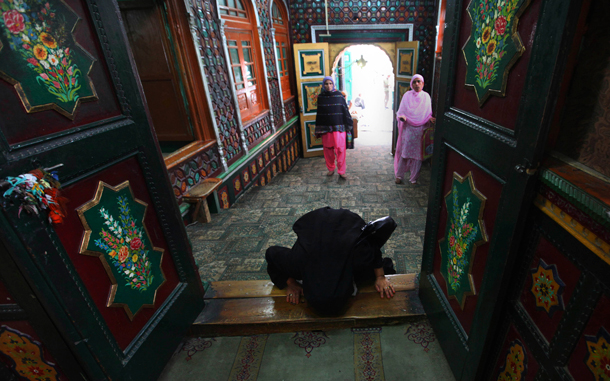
<point>494,45</point>
<point>26,355</point>
<point>115,232</point>
<point>39,56</point>
<point>515,364</point>
<point>598,356</point>
<point>547,288</point>
<point>465,231</point>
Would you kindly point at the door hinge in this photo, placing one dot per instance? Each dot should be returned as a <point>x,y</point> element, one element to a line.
<point>526,167</point>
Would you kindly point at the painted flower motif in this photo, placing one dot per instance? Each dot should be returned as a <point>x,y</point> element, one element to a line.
<point>123,253</point>
<point>134,258</point>
<point>598,356</point>
<point>486,35</point>
<point>14,21</point>
<point>500,25</point>
<point>491,47</point>
<point>112,253</point>
<point>33,62</point>
<point>136,244</point>
<point>40,52</point>
<point>452,241</point>
<point>479,42</point>
<point>36,370</point>
<point>53,60</point>
<point>48,40</point>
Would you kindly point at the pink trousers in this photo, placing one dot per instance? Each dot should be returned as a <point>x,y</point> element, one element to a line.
<point>334,145</point>
<point>403,165</point>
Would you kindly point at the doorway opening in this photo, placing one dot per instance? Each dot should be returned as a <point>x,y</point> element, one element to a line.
<point>365,74</point>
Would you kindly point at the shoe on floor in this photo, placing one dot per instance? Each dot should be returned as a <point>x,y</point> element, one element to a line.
<point>343,176</point>
<point>397,181</point>
<point>330,173</point>
<point>413,182</point>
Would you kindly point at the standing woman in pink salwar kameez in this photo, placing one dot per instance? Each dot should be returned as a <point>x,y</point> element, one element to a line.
<point>333,121</point>
<point>414,116</point>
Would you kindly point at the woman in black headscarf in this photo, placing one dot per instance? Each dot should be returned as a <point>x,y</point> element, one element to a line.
<point>331,253</point>
<point>333,121</point>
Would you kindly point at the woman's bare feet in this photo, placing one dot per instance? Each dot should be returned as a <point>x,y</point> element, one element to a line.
<point>343,176</point>
<point>397,181</point>
<point>330,173</point>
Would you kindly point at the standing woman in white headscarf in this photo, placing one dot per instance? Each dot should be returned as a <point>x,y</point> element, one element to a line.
<point>414,115</point>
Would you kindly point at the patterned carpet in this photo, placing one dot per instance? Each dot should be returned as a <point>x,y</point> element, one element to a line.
<point>402,352</point>
<point>232,246</point>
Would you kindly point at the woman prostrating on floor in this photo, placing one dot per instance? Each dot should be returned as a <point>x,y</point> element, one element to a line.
<point>333,121</point>
<point>334,250</point>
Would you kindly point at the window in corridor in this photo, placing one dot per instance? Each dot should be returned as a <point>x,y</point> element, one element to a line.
<point>244,56</point>
<point>282,46</point>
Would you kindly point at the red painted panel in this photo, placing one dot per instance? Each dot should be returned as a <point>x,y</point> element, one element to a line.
<point>502,111</point>
<point>491,189</point>
<point>530,366</point>
<point>21,126</point>
<point>568,274</point>
<point>24,328</point>
<point>577,364</point>
<point>90,268</point>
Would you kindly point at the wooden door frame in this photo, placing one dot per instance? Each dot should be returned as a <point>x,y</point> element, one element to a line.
<point>175,18</point>
<point>189,69</point>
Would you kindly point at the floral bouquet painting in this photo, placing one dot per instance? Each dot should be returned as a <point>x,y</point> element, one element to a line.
<point>461,235</point>
<point>42,56</point>
<point>494,44</point>
<point>115,233</point>
<point>465,231</point>
<point>123,241</point>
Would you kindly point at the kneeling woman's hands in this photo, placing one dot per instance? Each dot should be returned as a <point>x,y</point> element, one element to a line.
<point>293,291</point>
<point>384,287</point>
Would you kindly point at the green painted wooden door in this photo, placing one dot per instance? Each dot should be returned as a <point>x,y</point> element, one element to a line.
<point>501,66</point>
<point>116,277</point>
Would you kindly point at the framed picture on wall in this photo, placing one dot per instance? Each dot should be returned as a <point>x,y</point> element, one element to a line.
<point>402,87</point>
<point>309,94</point>
<point>313,143</point>
<point>311,63</point>
<point>406,58</point>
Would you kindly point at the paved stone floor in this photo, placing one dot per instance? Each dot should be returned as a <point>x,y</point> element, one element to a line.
<point>232,246</point>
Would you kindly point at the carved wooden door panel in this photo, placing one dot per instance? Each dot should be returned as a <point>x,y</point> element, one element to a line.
<point>311,65</point>
<point>499,76</point>
<point>113,270</point>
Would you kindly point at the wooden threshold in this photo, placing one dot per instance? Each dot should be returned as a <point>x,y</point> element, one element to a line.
<point>263,309</point>
<point>262,288</point>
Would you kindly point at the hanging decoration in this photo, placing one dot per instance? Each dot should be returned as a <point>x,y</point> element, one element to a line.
<point>465,231</point>
<point>36,191</point>
<point>115,233</point>
<point>39,56</point>
<point>494,45</point>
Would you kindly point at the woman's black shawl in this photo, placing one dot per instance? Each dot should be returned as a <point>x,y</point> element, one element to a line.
<point>333,114</point>
<point>326,256</point>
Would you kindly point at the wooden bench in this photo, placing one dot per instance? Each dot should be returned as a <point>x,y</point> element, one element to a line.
<point>197,195</point>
